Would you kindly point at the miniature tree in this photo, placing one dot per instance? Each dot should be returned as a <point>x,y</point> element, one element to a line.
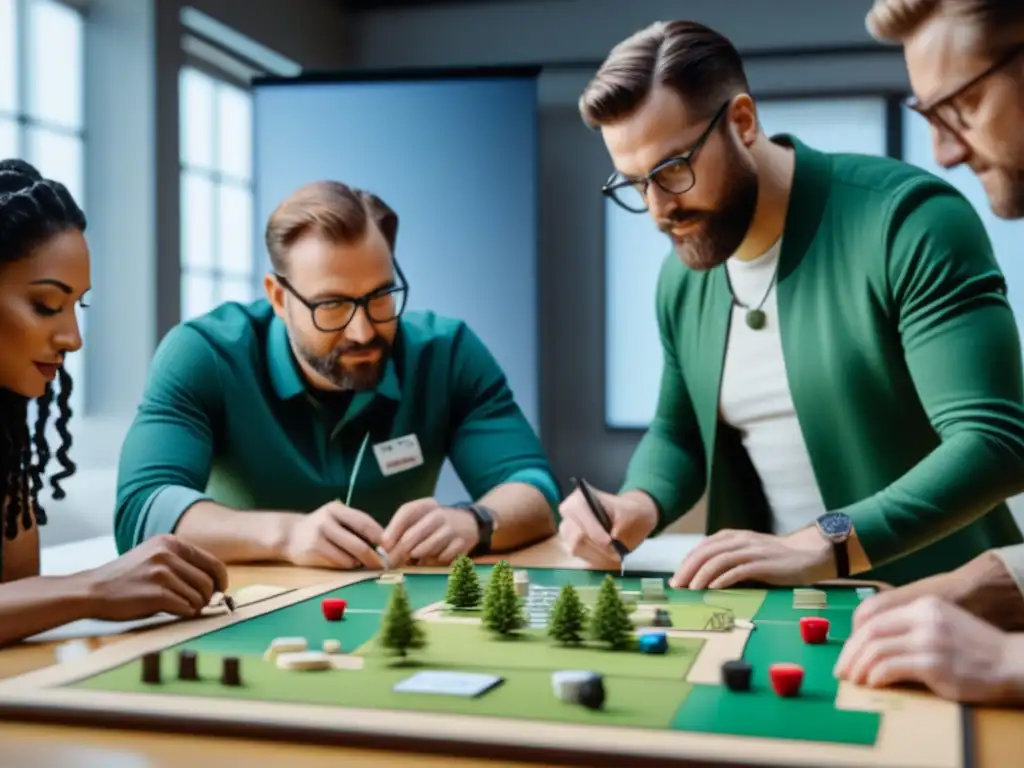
<point>610,621</point>
<point>502,612</point>
<point>463,585</point>
<point>400,631</point>
<point>568,617</point>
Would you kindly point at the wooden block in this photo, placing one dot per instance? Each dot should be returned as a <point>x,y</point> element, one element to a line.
<point>285,645</point>
<point>332,646</point>
<point>304,661</point>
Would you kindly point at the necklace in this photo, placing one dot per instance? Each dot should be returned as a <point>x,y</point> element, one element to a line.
<point>755,317</point>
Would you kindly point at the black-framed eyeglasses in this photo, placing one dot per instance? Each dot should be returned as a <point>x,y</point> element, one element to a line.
<point>675,175</point>
<point>943,112</point>
<point>332,315</point>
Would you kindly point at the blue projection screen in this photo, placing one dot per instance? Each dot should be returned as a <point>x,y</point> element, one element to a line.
<point>456,158</point>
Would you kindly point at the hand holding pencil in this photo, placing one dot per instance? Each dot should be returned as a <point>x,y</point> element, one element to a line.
<point>603,528</point>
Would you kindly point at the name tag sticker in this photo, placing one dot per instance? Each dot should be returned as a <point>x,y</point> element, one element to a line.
<point>398,455</point>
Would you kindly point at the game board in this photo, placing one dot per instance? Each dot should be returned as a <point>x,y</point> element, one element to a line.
<point>665,706</point>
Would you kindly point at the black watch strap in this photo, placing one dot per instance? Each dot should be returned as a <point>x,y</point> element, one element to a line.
<point>485,525</point>
<point>842,555</point>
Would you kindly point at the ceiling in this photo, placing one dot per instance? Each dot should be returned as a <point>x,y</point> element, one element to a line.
<point>375,5</point>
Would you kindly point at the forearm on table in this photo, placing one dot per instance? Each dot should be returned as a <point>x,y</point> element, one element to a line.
<point>33,605</point>
<point>959,482</point>
<point>988,586</point>
<point>523,514</point>
<point>234,536</point>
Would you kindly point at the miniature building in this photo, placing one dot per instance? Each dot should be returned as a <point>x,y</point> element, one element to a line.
<point>652,590</point>
<point>522,582</point>
<point>538,605</point>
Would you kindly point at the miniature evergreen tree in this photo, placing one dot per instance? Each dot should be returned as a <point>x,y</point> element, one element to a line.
<point>400,631</point>
<point>463,584</point>
<point>502,612</point>
<point>568,617</point>
<point>610,621</point>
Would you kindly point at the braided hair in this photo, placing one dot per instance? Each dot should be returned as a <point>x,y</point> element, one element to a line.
<point>32,210</point>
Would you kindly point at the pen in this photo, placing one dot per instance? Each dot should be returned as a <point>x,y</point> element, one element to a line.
<point>602,517</point>
<point>378,549</point>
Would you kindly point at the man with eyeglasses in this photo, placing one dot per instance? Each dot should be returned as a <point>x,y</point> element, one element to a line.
<point>960,632</point>
<point>311,427</point>
<point>841,369</point>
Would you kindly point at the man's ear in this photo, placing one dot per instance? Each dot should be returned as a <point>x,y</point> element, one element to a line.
<point>275,293</point>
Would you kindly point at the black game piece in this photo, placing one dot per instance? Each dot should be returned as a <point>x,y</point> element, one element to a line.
<point>151,668</point>
<point>231,673</point>
<point>736,675</point>
<point>662,618</point>
<point>591,693</point>
<point>187,669</point>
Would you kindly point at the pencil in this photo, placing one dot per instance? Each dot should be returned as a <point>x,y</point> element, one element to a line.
<point>602,517</point>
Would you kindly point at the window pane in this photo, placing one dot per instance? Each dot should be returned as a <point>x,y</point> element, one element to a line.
<point>198,295</point>
<point>54,62</point>
<point>8,137</point>
<point>58,156</point>
<point>830,125</point>
<point>197,124</point>
<point>8,58</point>
<point>237,289</point>
<point>234,246</point>
<point>234,131</point>
<point>196,221</point>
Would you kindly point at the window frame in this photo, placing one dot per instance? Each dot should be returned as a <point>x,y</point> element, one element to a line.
<point>215,273</point>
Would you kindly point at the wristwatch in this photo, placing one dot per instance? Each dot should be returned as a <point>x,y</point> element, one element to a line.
<point>836,528</point>
<point>485,521</point>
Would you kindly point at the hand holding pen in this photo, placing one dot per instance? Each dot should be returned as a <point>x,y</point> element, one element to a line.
<point>600,527</point>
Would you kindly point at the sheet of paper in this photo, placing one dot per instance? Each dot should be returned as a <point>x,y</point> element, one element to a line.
<point>446,683</point>
<point>97,628</point>
<point>662,553</point>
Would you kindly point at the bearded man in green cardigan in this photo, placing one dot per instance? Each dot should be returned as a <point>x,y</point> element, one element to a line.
<point>842,370</point>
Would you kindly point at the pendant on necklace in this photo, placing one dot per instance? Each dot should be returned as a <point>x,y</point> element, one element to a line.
<point>755,319</point>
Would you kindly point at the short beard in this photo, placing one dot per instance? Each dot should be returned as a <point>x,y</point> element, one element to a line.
<point>364,376</point>
<point>1011,207</point>
<point>722,231</point>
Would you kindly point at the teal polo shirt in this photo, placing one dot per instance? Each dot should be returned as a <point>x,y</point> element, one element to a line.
<point>226,416</point>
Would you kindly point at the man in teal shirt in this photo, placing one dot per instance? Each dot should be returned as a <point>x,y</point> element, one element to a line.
<point>311,428</point>
<point>841,369</point>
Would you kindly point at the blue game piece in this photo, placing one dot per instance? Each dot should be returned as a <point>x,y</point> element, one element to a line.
<point>653,642</point>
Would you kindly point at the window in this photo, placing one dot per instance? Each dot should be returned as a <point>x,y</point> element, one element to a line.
<point>218,261</point>
<point>917,149</point>
<point>41,107</point>
<point>635,250</point>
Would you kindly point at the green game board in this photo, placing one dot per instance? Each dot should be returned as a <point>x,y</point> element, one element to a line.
<point>650,692</point>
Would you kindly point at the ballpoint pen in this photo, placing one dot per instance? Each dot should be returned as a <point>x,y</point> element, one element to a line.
<point>602,517</point>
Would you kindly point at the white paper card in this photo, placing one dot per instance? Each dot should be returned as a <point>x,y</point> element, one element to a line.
<point>398,455</point>
<point>448,683</point>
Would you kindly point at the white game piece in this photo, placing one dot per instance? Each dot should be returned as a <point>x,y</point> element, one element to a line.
<point>332,646</point>
<point>73,650</point>
<point>467,684</point>
<point>304,660</point>
<point>566,683</point>
<point>285,645</point>
<point>346,661</point>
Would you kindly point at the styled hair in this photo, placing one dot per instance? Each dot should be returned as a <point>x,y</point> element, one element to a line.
<point>699,64</point>
<point>32,211</point>
<point>329,209</point>
<point>995,22</point>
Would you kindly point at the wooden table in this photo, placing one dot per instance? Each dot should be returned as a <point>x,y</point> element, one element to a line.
<point>999,734</point>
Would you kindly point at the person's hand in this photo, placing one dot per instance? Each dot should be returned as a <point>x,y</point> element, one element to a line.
<point>933,643</point>
<point>335,536</point>
<point>983,587</point>
<point>633,516</point>
<point>162,575</point>
<point>730,557</point>
<point>428,533</point>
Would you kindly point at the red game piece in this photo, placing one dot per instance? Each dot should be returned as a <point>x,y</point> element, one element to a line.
<point>333,608</point>
<point>786,678</point>
<point>814,629</point>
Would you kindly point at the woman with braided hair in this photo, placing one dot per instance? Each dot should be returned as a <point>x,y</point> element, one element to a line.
<point>44,274</point>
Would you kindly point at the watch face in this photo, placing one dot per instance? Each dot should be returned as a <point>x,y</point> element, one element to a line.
<point>835,526</point>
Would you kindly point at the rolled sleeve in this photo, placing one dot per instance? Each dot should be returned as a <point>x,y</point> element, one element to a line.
<point>166,458</point>
<point>492,442</point>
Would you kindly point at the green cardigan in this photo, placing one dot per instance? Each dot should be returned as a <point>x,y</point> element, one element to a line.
<point>904,363</point>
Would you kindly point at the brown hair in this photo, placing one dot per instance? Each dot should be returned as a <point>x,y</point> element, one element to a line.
<point>331,210</point>
<point>699,64</point>
<point>893,21</point>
